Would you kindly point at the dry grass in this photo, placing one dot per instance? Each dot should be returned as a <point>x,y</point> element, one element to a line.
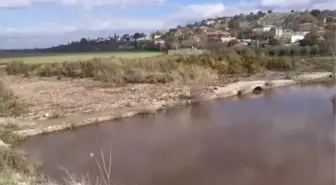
<point>15,167</point>
<point>8,102</point>
<point>38,58</point>
<point>162,69</point>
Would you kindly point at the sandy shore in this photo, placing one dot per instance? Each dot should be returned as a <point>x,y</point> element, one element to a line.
<point>54,105</point>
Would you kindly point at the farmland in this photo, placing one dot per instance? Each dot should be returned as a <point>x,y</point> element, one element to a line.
<point>61,57</point>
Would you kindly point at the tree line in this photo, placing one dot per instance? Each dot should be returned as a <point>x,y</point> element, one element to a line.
<point>136,41</point>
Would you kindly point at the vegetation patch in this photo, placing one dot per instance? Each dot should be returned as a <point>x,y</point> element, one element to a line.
<point>161,69</point>
<point>48,57</point>
<point>8,102</point>
<point>15,167</point>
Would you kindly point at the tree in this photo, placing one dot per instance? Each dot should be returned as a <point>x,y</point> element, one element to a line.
<point>136,36</point>
<point>316,13</point>
<point>260,13</point>
<point>273,41</point>
<point>126,37</point>
<point>309,40</point>
<point>170,42</point>
<point>233,23</point>
<point>83,41</point>
<point>269,11</point>
<point>244,34</point>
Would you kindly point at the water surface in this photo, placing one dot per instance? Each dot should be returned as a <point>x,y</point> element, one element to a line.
<point>283,137</point>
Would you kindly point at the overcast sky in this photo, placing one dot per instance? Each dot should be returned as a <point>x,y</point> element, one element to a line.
<point>44,23</point>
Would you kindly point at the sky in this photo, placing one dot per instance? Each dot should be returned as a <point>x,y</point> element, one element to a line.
<point>45,23</point>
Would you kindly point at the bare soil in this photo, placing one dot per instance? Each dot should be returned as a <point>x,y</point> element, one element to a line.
<point>49,98</point>
<point>45,98</point>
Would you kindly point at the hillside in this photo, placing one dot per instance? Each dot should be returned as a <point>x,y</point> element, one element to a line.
<point>276,19</point>
<point>292,19</point>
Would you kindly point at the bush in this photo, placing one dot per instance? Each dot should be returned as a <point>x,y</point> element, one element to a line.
<point>273,41</point>
<point>279,64</point>
<point>232,43</point>
<point>8,102</point>
<point>15,166</point>
<point>271,51</point>
<point>17,67</point>
<point>303,51</point>
<point>283,51</point>
<point>15,159</point>
<point>314,50</point>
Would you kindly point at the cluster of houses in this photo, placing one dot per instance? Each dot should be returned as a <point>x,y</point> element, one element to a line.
<point>224,35</point>
<point>280,33</point>
<point>208,27</point>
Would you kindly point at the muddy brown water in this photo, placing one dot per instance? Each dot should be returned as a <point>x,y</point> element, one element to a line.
<point>283,137</point>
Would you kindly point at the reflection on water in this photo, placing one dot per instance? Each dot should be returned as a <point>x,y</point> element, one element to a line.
<point>333,101</point>
<point>281,137</point>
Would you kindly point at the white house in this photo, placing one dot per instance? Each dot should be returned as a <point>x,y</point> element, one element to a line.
<point>261,28</point>
<point>279,32</point>
<point>223,36</point>
<point>227,39</point>
<point>210,22</point>
<point>157,37</point>
<point>296,38</point>
<point>299,35</point>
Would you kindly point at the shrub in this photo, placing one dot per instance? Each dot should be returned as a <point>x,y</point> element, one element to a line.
<point>15,159</point>
<point>232,42</point>
<point>271,51</point>
<point>303,51</point>
<point>282,51</point>
<point>17,67</point>
<point>314,50</point>
<point>8,102</point>
<point>273,41</point>
<point>279,64</point>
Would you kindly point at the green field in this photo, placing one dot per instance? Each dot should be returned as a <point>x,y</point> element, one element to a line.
<point>61,57</point>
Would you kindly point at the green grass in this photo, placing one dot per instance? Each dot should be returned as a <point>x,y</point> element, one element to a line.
<point>34,58</point>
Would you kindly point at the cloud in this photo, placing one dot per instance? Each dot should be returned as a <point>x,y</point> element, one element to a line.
<point>297,4</point>
<point>210,10</point>
<point>94,24</point>
<point>85,3</point>
<point>202,10</point>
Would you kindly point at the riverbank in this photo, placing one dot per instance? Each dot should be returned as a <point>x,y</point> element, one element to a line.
<point>54,105</point>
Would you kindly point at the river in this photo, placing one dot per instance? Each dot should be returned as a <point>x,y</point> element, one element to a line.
<point>281,137</point>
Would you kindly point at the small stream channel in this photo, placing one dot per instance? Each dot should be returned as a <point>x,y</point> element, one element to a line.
<point>282,137</point>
